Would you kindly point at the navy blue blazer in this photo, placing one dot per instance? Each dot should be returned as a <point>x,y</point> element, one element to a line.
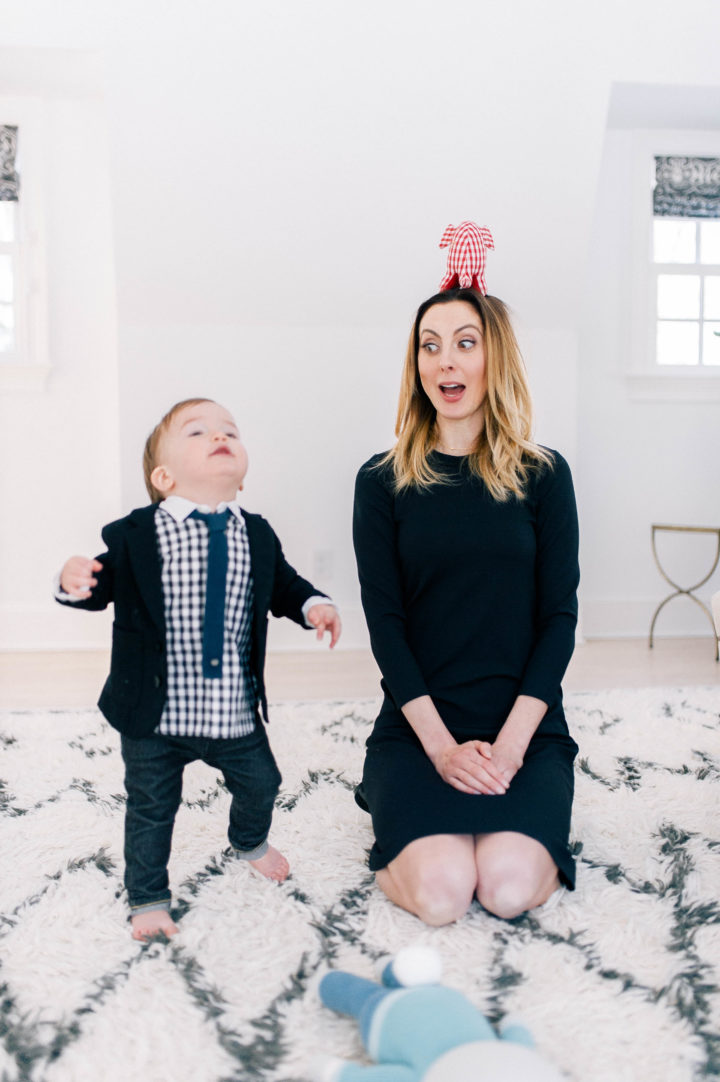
<point>134,694</point>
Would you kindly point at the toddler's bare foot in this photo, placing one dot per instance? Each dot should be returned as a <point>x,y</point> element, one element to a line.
<point>153,922</point>
<point>272,865</point>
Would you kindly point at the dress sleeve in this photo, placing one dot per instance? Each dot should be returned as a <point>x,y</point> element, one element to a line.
<point>556,578</point>
<point>381,585</point>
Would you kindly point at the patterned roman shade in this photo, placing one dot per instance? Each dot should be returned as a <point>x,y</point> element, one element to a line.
<point>687,187</point>
<point>9,179</point>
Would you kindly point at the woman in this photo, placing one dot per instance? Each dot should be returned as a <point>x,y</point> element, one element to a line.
<point>466,541</point>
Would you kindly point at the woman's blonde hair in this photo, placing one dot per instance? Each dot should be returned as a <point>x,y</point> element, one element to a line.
<point>153,441</point>
<point>505,452</point>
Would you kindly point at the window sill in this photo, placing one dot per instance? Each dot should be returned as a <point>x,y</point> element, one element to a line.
<point>676,384</point>
<point>23,377</point>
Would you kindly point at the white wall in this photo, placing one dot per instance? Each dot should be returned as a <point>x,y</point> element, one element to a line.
<point>59,447</point>
<point>279,177</point>
<point>641,461</point>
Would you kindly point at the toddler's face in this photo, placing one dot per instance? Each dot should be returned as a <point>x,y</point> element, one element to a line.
<point>200,451</point>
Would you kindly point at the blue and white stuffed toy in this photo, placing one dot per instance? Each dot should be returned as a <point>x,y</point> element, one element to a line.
<point>417,1030</point>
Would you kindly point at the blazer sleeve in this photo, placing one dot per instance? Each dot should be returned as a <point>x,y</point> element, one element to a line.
<point>556,577</point>
<point>374,538</point>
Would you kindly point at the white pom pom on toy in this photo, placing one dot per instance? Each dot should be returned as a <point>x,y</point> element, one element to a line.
<point>417,965</point>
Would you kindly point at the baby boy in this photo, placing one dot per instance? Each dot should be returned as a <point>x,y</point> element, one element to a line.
<point>192,578</point>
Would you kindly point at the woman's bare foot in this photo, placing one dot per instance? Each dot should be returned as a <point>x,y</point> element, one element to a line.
<point>272,865</point>
<point>152,923</point>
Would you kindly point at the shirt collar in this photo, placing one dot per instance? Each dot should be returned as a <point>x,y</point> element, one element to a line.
<point>179,508</point>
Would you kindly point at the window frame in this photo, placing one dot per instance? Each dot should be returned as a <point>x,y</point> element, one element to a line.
<point>28,366</point>
<point>646,378</point>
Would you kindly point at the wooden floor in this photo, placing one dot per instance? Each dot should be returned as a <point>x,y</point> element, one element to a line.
<point>73,679</point>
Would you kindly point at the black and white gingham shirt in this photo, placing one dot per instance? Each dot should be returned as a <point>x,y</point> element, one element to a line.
<point>224,708</point>
<point>196,706</point>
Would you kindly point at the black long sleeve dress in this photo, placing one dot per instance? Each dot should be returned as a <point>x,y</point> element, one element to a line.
<point>473,602</point>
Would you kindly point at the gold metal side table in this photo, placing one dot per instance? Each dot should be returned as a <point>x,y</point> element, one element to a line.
<point>686,591</point>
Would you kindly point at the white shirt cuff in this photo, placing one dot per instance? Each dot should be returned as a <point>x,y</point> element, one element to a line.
<point>316,599</point>
<point>59,593</point>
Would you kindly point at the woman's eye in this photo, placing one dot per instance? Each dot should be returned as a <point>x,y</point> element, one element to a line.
<point>429,347</point>
<point>466,343</point>
<point>232,435</point>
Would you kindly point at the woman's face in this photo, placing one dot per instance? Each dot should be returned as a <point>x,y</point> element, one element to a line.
<point>451,360</point>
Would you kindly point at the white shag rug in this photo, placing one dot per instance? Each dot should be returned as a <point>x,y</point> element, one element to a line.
<point>619,981</point>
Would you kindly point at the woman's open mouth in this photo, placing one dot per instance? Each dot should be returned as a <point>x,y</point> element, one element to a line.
<point>452,392</point>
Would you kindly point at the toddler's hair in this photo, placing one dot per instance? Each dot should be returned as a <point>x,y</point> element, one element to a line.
<point>151,443</point>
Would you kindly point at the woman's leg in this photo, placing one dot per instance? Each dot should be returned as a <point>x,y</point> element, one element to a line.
<point>435,878</point>
<point>514,873</point>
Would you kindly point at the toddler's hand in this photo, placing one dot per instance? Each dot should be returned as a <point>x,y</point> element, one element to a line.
<point>77,576</point>
<point>325,618</point>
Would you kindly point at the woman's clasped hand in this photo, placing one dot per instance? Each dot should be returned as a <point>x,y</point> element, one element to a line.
<point>472,768</point>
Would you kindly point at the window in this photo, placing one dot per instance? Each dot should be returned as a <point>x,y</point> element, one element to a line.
<point>23,284</point>
<point>686,261</point>
<point>9,191</point>
<point>673,284</point>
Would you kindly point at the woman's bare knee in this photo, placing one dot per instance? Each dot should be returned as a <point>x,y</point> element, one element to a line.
<point>515,874</point>
<point>508,897</point>
<point>442,896</point>
<point>436,881</point>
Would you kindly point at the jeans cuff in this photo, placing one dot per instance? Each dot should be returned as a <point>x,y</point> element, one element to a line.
<point>149,907</point>
<point>251,854</point>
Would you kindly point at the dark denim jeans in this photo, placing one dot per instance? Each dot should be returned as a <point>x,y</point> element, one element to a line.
<point>153,780</point>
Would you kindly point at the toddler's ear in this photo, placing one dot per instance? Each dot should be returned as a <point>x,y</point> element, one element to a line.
<point>162,480</point>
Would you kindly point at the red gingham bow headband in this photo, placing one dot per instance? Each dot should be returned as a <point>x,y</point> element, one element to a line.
<point>468,244</point>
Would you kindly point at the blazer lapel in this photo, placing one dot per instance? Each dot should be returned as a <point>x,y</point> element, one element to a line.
<point>145,561</point>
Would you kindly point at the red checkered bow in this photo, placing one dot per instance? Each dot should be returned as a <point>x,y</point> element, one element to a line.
<point>466,259</point>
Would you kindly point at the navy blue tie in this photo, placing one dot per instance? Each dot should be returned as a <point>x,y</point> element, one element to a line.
<point>217,565</point>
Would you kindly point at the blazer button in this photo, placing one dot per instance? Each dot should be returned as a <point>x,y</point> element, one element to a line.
<point>157,681</point>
